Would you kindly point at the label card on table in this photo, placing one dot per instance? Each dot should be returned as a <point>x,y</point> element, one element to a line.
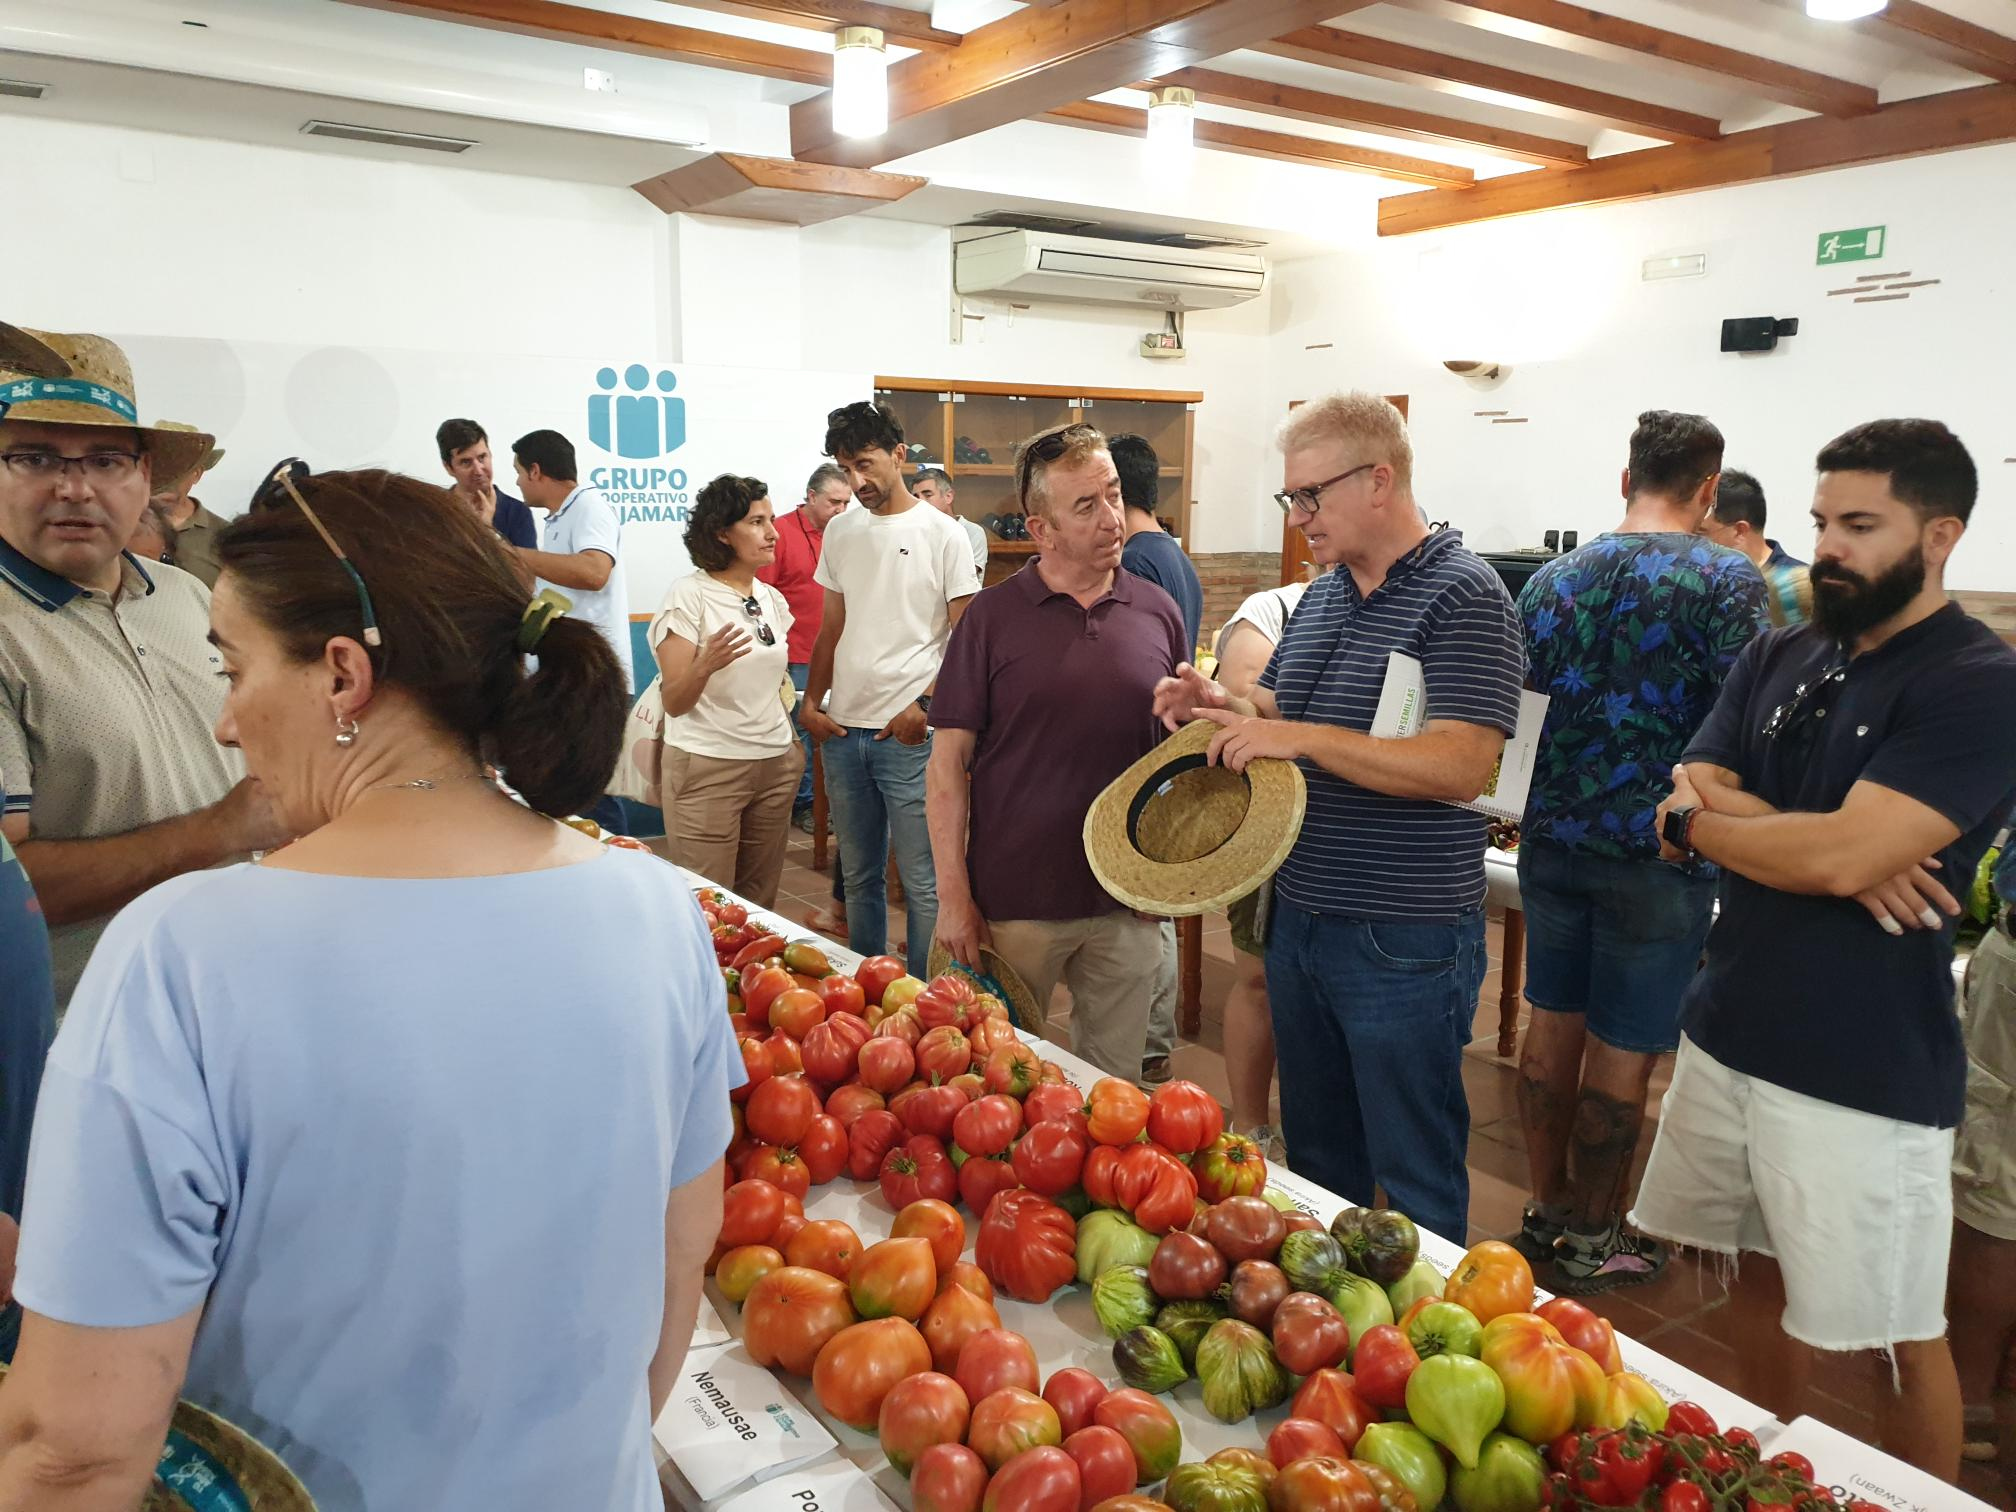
<point>835,1487</point>
<point>729,1421</point>
<point>709,1331</point>
<point>1853,1469</point>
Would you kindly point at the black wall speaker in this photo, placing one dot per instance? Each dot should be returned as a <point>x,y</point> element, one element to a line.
<point>1755,333</point>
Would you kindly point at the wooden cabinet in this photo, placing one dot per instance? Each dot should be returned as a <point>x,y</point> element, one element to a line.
<point>973,430</point>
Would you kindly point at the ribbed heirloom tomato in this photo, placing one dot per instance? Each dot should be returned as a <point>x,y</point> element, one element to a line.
<point>989,1126</point>
<point>1027,1245</point>
<point>916,1169</point>
<point>1183,1118</point>
<point>1116,1112</point>
<point>1049,1158</point>
<point>874,1135</point>
<point>832,1048</point>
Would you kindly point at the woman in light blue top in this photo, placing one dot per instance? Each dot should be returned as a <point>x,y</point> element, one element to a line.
<point>400,1148</point>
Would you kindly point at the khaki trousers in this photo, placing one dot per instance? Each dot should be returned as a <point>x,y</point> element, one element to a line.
<point>729,820</point>
<point>1109,962</point>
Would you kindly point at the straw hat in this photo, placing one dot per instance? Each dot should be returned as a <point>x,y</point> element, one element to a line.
<point>996,976</point>
<point>1175,836</point>
<point>207,1464</point>
<point>210,458</point>
<point>58,379</point>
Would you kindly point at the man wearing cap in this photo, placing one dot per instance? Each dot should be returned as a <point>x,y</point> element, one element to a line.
<point>109,689</point>
<point>1375,944</point>
<point>1043,700</point>
<point>193,530</point>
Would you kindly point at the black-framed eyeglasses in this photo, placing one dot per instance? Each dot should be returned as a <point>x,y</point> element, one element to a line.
<point>1310,499</point>
<point>755,611</point>
<point>47,466</point>
<point>281,487</point>
<point>1047,447</point>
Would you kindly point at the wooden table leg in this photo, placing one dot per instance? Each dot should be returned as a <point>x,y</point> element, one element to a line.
<point>1190,975</point>
<point>818,810</point>
<point>1511,980</point>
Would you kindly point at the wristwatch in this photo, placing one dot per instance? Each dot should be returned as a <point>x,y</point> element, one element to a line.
<point>1678,830</point>
<point>923,701</point>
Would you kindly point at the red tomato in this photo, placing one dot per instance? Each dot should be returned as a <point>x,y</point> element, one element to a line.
<point>938,1222</point>
<point>1027,1245</point>
<point>825,1245</point>
<point>1050,1102</point>
<point>742,1267</point>
<point>1008,1421</point>
<point>1155,1188</point>
<point>946,999</point>
<point>1183,1118</point>
<point>1105,1464</point>
<point>781,1109</point>
<point>970,1083</point>
<point>954,1316</point>
<point>944,1053</point>
<point>1050,1158</point>
<point>981,1180</point>
<point>1299,1437</point>
<point>1681,1417</point>
<point>849,1102</point>
<point>875,974</point>
<point>1185,1268</point>
<point>1231,1166</point>
<point>994,1358</point>
<point>842,994</point>
<point>1322,1484</point>
<point>1794,1461</point>
<point>786,1059</point>
<point>874,1135</point>
<point>969,1277</point>
<point>1623,1470</point>
<point>755,1065</point>
<point>1015,1070</point>
<point>1102,1163</point>
<point>895,1278</point>
<point>916,1169</point>
<point>901,1025</point>
<point>862,1363</point>
<point>887,1064</point>
<point>797,1012</point>
<point>1245,1228</point>
<point>750,1212</point>
<point>930,1110</point>
<point>781,1167</point>
<point>948,1478</point>
<point>1381,1363</point>
<point>991,1032</point>
<point>823,1149</point>
<point>1683,1496</point>
<point>1327,1397</point>
<point>1116,1112</point>
<point>1149,1428</point>
<point>1742,1442</point>
<point>1309,1333</point>
<point>1592,1335</point>
<point>989,1126</point>
<point>919,1411</point>
<point>791,1314</point>
<point>831,1049</point>
<point>1042,1479</point>
<point>1074,1393</point>
<point>760,988</point>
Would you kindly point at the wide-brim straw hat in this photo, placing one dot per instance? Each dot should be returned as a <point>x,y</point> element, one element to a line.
<point>996,976</point>
<point>1173,835</point>
<point>206,1461</point>
<point>54,378</point>
<point>209,459</point>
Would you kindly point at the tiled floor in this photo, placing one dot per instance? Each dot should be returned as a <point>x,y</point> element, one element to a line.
<point>1685,1314</point>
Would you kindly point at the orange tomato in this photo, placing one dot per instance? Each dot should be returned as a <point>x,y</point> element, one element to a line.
<point>928,1218</point>
<point>862,1363</point>
<point>826,1245</point>
<point>1494,1279</point>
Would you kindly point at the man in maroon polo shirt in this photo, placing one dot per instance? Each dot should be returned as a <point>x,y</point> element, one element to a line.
<point>1042,701</point>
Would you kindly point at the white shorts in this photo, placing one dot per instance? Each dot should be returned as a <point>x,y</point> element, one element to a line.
<point>1857,1210</point>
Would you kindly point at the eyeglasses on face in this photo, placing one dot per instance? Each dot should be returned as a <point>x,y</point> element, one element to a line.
<point>276,492</point>
<point>1310,499</point>
<point>755,611</point>
<point>48,466</point>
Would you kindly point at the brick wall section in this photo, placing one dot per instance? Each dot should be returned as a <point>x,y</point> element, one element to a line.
<point>1998,609</point>
<point>1228,577</point>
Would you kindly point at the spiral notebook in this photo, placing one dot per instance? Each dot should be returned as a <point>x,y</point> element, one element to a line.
<point>1402,704</point>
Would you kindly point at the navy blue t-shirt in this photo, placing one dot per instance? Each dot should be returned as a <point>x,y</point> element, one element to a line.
<point>1154,555</point>
<point>1806,992</point>
<point>514,521</point>
<point>27,1024</point>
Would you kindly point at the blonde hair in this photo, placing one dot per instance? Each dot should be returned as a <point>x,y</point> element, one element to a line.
<point>1365,423</point>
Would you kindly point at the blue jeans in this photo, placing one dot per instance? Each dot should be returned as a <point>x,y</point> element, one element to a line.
<point>1370,1021</point>
<point>799,671</point>
<point>876,790</point>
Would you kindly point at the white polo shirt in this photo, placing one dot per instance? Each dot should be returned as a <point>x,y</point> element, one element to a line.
<point>588,522</point>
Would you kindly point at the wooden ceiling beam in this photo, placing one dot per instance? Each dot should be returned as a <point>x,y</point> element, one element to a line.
<point>1584,30</point>
<point>1295,103</point>
<point>908,27</point>
<point>773,189</point>
<point>597,28</point>
<point>1043,58</point>
<point>1931,30</point>
<point>1254,142</point>
<point>1359,53</point>
<point>1908,128</point>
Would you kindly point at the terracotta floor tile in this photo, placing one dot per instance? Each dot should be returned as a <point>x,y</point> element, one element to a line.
<point>1631,1318</point>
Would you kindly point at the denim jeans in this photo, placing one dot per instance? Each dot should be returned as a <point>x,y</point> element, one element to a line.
<point>876,790</point>
<point>1370,1021</point>
<point>799,671</point>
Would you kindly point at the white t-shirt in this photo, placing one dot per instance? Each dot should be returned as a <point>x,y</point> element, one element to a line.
<point>588,522</point>
<point>1266,611</point>
<point>740,714</point>
<point>898,574</point>
<point>978,537</point>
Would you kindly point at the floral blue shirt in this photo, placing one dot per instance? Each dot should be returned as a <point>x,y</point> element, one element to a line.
<point>1629,637</point>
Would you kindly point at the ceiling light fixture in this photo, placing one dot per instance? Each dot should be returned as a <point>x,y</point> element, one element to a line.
<point>1172,124</point>
<point>1843,10</point>
<point>860,82</point>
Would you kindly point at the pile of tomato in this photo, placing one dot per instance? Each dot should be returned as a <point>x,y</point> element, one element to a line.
<point>1688,1467</point>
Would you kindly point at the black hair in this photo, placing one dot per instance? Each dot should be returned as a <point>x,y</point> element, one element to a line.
<point>1673,453</point>
<point>855,427</point>
<point>550,452</point>
<point>1140,471</point>
<point>719,506</point>
<point>1928,467</point>
<point>1739,499</point>
<point>458,435</point>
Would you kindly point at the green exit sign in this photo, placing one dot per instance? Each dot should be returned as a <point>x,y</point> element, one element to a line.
<point>1859,245</point>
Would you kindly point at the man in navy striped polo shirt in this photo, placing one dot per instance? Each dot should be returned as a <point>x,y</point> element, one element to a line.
<point>1375,949</point>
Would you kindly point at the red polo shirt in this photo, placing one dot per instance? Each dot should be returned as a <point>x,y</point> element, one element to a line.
<point>791,575</point>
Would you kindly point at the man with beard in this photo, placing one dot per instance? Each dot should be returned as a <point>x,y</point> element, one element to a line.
<point>1850,767</point>
<point>1064,655</point>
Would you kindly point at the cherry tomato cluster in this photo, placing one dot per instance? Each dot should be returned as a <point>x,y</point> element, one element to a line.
<point>1689,1467</point>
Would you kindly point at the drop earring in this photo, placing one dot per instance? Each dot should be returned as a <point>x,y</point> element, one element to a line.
<point>346,733</point>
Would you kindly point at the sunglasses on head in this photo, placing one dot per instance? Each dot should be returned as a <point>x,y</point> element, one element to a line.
<point>281,488</point>
<point>1044,449</point>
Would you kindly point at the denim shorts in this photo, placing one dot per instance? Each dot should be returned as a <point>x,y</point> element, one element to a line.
<point>1615,940</point>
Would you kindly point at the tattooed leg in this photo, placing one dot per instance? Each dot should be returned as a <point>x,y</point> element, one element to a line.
<point>1550,1069</point>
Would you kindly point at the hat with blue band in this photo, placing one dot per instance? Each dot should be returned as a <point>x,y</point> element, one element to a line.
<point>51,378</point>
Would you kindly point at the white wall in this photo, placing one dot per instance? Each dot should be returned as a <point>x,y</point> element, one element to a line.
<point>1561,298</point>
